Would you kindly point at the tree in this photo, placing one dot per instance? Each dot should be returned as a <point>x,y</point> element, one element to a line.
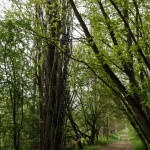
<point>52,72</point>
<point>40,48</point>
<point>126,42</point>
<point>15,82</point>
<point>92,107</point>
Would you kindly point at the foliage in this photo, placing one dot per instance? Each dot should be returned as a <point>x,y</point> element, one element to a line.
<point>136,142</point>
<point>60,88</point>
<point>113,33</point>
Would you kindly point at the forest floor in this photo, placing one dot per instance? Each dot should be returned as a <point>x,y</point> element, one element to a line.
<point>122,144</point>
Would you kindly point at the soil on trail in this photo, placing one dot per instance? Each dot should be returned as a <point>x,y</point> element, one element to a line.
<point>117,146</point>
<point>122,144</point>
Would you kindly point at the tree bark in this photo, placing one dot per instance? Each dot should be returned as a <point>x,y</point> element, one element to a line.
<point>75,130</point>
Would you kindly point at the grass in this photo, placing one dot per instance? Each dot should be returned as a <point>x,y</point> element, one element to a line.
<point>136,142</point>
<point>102,141</point>
<point>124,131</point>
<point>137,145</point>
<point>111,138</point>
<point>91,147</point>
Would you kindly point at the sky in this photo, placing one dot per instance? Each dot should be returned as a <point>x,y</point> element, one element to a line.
<point>4,4</point>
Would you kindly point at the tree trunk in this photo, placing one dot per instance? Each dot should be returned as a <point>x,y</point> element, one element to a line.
<point>75,130</point>
<point>52,73</point>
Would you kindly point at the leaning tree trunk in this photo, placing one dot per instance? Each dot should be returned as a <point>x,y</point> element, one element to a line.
<point>74,127</point>
<point>133,100</point>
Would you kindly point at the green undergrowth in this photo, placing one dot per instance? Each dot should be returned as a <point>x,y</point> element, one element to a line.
<point>102,141</point>
<point>124,131</point>
<point>92,147</point>
<point>136,142</point>
<point>111,138</point>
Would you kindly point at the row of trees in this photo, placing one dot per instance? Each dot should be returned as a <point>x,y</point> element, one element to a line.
<point>34,62</point>
<point>92,111</point>
<point>125,25</point>
<point>56,87</point>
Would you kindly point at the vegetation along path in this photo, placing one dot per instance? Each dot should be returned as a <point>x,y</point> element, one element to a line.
<point>122,144</point>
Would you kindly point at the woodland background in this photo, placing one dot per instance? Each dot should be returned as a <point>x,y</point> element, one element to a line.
<point>73,72</point>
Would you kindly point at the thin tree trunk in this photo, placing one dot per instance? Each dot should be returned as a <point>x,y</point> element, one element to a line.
<point>75,130</point>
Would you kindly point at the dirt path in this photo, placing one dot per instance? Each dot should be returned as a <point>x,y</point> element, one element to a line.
<point>122,144</point>
<point>117,146</point>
